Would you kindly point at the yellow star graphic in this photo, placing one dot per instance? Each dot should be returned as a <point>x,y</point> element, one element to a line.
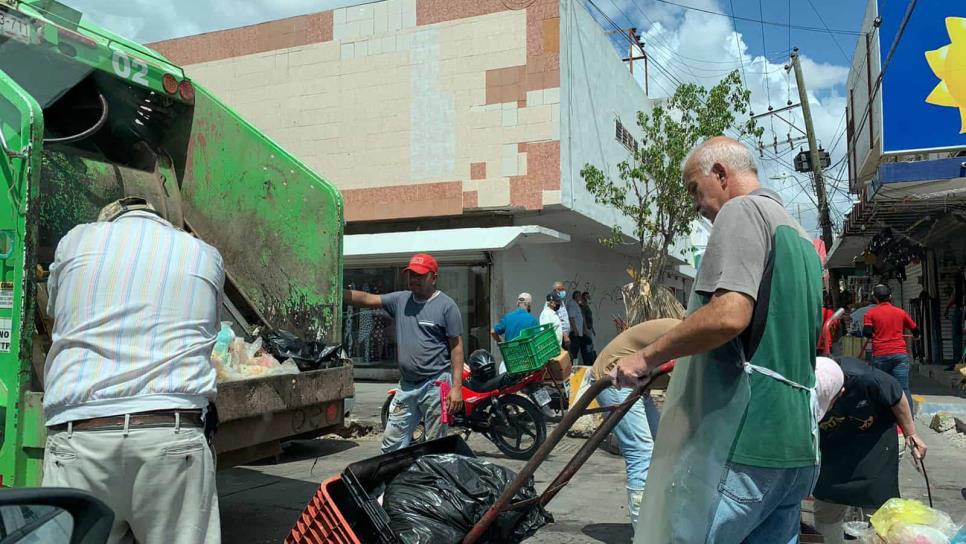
<point>949,65</point>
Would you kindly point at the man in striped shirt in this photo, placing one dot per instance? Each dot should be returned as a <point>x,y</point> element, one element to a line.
<point>128,378</point>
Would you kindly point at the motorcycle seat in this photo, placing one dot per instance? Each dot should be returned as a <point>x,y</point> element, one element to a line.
<point>481,386</point>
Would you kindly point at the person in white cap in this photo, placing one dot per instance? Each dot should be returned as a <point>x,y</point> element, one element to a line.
<point>860,447</point>
<point>512,323</point>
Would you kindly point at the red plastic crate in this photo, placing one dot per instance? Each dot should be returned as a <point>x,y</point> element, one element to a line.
<point>322,522</point>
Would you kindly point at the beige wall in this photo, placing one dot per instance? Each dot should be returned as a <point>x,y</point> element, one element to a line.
<point>460,107</point>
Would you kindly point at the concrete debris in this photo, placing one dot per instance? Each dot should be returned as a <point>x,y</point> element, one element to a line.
<point>942,422</point>
<point>356,429</point>
<point>585,426</point>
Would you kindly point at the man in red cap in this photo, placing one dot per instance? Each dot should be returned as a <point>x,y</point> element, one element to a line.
<point>429,350</point>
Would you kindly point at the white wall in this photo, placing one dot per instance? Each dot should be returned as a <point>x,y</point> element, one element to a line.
<point>581,265</point>
<point>596,89</point>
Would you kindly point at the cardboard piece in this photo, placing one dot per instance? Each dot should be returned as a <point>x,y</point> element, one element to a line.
<point>559,367</point>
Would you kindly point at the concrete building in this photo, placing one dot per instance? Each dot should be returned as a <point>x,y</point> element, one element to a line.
<point>455,127</point>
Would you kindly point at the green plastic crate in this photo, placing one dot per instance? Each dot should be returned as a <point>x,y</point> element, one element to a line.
<point>531,350</point>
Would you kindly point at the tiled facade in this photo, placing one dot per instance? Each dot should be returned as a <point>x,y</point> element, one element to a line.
<point>413,108</point>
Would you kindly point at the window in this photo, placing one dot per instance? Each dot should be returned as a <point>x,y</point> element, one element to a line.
<point>625,137</point>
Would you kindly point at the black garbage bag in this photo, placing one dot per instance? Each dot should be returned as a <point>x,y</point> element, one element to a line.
<point>308,355</point>
<point>440,497</point>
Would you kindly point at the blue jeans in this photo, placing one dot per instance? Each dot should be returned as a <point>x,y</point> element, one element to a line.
<point>633,434</point>
<point>634,437</point>
<point>760,505</point>
<point>898,366</point>
<point>412,403</point>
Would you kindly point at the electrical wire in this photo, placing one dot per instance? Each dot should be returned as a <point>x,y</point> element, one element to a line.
<point>771,23</point>
<point>761,13</point>
<point>741,59</point>
<point>834,39</point>
<point>804,188</point>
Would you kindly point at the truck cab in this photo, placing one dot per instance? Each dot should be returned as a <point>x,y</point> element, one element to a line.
<point>87,117</point>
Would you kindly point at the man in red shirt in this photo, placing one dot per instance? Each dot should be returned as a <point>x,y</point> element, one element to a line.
<point>885,324</point>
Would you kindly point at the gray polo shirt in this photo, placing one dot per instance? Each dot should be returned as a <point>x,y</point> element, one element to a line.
<point>423,330</point>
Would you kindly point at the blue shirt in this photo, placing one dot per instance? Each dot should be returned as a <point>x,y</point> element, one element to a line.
<point>512,323</point>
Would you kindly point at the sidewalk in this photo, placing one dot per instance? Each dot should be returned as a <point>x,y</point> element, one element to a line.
<point>935,390</point>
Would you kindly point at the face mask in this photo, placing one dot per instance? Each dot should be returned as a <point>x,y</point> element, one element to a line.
<point>562,294</point>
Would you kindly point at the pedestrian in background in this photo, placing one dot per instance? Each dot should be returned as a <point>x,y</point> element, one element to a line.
<point>551,315</point>
<point>129,377</point>
<point>576,317</point>
<point>589,331</point>
<point>512,323</point>
<point>429,341</point>
<point>885,325</point>
<point>561,292</point>
<point>956,302</point>
<point>634,434</point>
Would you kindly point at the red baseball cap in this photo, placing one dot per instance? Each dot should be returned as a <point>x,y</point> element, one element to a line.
<point>422,263</point>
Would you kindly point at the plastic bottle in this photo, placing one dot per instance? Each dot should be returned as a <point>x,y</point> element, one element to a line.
<point>225,336</point>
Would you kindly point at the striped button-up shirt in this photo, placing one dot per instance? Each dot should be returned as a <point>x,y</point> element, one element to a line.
<point>136,304</point>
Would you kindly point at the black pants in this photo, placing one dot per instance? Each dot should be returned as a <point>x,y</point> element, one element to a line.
<point>583,346</point>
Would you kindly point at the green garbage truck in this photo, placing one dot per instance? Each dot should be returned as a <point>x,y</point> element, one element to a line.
<point>87,117</point>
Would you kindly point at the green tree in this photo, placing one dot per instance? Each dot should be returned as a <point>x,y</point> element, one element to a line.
<point>649,188</point>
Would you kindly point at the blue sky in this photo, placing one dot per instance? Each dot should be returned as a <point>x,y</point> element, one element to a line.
<point>688,44</point>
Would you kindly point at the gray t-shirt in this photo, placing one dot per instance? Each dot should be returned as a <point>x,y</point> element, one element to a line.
<point>757,249</point>
<point>744,229</point>
<point>573,311</point>
<point>423,330</point>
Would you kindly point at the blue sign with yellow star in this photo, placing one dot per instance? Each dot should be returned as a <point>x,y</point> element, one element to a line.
<point>924,89</point>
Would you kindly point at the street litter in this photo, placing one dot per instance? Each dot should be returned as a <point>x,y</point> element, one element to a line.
<point>307,354</point>
<point>235,359</point>
<point>907,521</point>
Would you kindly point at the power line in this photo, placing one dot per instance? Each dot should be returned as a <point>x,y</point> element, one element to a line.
<point>675,80</point>
<point>761,13</point>
<point>834,39</point>
<point>741,56</point>
<point>789,25</point>
<point>772,23</point>
<point>788,85</point>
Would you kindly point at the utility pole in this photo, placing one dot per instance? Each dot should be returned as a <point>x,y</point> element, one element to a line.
<point>824,219</point>
<point>634,39</point>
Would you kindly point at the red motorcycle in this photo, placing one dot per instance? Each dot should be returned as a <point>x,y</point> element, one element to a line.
<point>493,407</point>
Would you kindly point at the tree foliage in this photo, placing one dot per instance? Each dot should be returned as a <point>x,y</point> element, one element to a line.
<point>649,188</point>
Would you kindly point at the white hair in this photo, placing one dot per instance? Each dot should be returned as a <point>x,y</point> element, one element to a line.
<point>723,151</point>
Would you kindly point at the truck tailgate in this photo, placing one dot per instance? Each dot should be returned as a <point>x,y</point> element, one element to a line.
<point>256,415</point>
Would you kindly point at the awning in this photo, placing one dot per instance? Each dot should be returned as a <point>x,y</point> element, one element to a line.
<point>846,250</point>
<point>447,245</point>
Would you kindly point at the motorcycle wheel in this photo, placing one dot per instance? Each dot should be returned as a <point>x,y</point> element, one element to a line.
<point>419,435</point>
<point>529,428</point>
